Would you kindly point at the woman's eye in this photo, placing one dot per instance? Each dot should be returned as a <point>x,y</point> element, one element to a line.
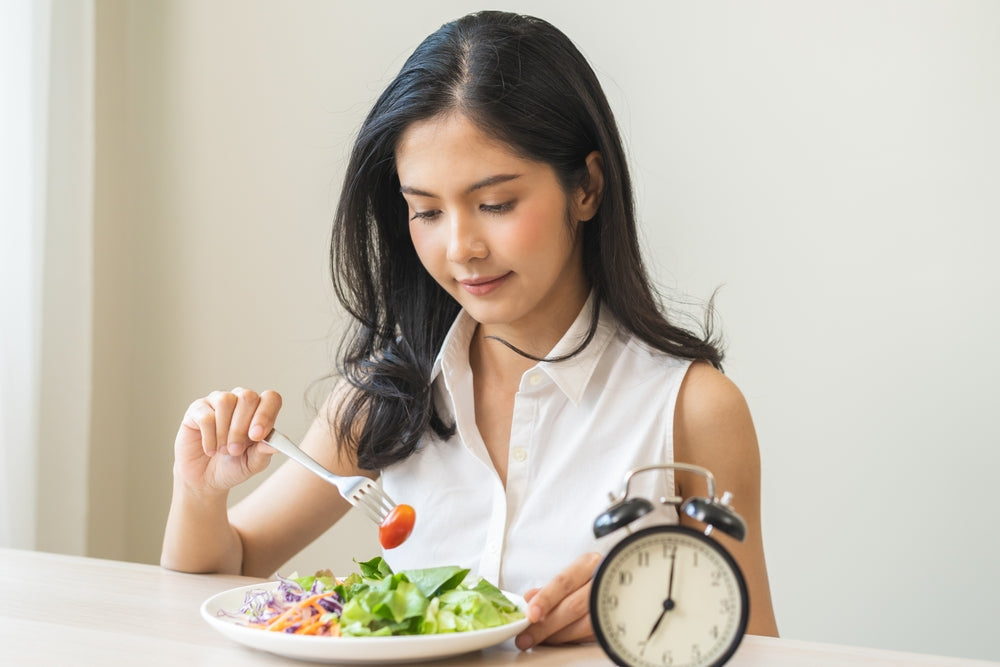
<point>497,209</point>
<point>424,215</point>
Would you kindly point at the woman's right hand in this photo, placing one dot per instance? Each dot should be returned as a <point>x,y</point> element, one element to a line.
<point>219,443</point>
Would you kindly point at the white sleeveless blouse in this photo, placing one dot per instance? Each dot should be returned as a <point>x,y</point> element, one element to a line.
<point>579,425</point>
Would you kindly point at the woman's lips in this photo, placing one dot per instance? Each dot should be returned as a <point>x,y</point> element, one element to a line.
<point>483,286</point>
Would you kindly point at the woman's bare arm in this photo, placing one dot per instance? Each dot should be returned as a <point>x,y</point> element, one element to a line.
<point>713,428</point>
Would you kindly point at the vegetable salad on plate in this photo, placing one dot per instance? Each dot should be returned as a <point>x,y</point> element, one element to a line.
<point>379,602</point>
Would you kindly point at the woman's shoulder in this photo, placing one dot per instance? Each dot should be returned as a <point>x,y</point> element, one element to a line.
<point>642,360</point>
<point>712,421</point>
<point>708,394</point>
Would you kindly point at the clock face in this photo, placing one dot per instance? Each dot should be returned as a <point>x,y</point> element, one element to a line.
<point>669,595</point>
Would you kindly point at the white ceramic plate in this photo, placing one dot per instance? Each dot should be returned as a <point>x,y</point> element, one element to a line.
<point>351,650</point>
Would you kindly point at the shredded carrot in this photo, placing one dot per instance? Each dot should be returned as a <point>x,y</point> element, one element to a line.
<point>306,617</point>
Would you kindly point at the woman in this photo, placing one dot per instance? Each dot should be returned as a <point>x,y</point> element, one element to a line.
<point>509,360</point>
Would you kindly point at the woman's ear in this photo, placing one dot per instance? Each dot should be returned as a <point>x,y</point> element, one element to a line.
<point>588,196</point>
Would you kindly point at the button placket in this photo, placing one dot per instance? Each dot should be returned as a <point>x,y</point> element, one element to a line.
<point>489,564</point>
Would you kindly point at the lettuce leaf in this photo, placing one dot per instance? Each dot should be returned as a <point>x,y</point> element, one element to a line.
<point>436,580</point>
<point>377,601</point>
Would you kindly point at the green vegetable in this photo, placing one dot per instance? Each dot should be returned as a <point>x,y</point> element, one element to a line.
<point>378,601</point>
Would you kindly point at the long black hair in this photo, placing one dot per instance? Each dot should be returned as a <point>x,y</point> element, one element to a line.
<point>523,82</point>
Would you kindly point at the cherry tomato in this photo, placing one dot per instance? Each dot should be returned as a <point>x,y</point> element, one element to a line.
<point>396,527</point>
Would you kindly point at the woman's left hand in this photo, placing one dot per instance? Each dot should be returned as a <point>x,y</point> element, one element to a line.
<point>559,612</point>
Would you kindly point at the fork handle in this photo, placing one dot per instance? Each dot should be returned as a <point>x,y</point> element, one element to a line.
<point>292,451</point>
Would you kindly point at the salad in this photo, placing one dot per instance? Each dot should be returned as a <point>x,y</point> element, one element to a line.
<point>379,602</point>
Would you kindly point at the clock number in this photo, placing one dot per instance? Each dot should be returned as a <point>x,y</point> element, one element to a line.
<point>611,601</point>
<point>620,630</point>
<point>715,632</point>
<point>643,559</point>
<point>717,577</point>
<point>695,652</point>
<point>624,578</point>
<point>726,604</point>
<point>667,658</point>
<point>695,559</point>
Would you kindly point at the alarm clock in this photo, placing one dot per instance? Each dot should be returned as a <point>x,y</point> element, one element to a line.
<point>669,594</point>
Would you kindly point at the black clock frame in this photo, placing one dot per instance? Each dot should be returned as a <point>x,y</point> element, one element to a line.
<point>667,528</point>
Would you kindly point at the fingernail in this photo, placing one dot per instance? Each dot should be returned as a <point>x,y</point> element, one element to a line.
<point>256,433</point>
<point>524,641</point>
<point>534,613</point>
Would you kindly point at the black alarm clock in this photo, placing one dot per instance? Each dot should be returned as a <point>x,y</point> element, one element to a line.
<point>669,594</point>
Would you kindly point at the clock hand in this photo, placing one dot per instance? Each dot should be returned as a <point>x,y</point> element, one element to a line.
<point>670,583</point>
<point>668,604</point>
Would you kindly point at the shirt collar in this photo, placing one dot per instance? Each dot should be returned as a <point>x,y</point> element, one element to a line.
<point>454,352</point>
<point>570,375</point>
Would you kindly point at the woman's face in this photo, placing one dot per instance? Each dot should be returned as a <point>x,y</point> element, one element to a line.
<point>495,230</point>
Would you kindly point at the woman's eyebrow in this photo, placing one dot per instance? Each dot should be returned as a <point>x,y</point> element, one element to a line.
<point>493,180</point>
<point>478,185</point>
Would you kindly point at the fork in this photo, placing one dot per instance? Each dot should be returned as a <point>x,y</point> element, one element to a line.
<point>358,490</point>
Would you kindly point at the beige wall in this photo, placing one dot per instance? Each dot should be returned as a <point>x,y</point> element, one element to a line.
<point>833,164</point>
<point>215,182</point>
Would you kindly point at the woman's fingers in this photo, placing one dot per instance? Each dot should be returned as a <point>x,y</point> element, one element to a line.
<point>231,421</point>
<point>559,611</point>
<point>265,415</point>
<point>238,438</point>
<point>223,405</point>
<point>259,454</point>
<point>579,630</point>
<point>199,425</point>
<point>568,622</point>
<point>572,578</point>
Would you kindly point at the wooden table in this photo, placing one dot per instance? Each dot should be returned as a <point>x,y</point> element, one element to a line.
<point>68,610</point>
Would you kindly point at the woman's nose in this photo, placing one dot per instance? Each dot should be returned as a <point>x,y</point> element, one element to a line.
<point>465,241</point>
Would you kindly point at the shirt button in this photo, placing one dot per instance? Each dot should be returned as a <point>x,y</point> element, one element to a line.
<point>535,379</point>
<point>520,454</point>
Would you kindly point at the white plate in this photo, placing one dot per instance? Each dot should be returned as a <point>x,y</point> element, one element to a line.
<point>352,650</point>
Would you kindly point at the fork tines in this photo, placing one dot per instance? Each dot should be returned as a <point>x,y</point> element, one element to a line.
<point>373,501</point>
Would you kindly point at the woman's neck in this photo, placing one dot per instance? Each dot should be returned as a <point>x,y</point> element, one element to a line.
<point>490,359</point>
<point>490,352</point>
